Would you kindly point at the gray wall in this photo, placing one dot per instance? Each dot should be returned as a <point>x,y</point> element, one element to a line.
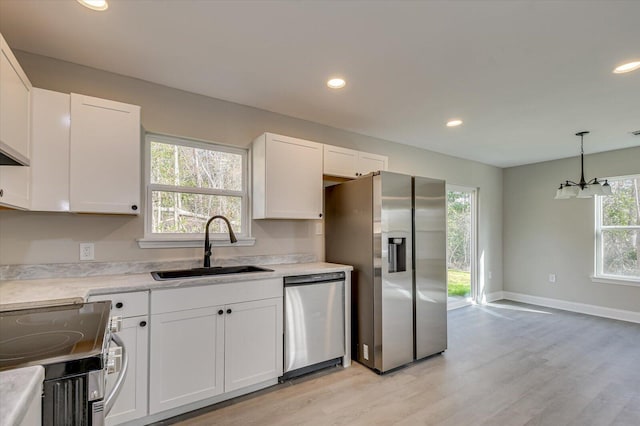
<point>32,238</point>
<point>543,235</point>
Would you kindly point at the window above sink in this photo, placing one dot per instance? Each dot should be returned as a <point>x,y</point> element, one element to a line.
<point>186,182</point>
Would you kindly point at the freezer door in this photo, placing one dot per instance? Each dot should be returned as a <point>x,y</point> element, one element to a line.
<point>393,295</point>
<point>314,323</point>
<point>430,266</point>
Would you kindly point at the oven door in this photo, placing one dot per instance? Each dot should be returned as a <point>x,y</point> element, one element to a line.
<point>79,400</point>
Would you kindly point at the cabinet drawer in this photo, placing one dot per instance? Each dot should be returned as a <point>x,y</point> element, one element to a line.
<point>126,305</point>
<point>179,299</point>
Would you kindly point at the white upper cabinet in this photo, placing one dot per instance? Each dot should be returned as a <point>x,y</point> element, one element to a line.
<point>349,163</point>
<point>287,178</point>
<point>368,163</point>
<point>104,173</point>
<point>50,151</point>
<point>15,138</point>
<point>339,161</point>
<point>14,187</point>
<point>15,100</point>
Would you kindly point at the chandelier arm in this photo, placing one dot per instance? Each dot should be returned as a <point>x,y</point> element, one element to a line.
<point>571,182</point>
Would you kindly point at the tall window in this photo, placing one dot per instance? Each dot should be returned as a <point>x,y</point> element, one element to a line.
<point>461,237</point>
<point>188,182</point>
<point>618,230</point>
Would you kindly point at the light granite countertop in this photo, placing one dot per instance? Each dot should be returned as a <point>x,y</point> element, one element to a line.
<point>17,386</point>
<point>17,294</point>
<point>17,389</point>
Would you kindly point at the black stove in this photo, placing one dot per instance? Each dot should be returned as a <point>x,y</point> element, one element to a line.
<point>53,335</point>
<point>71,342</point>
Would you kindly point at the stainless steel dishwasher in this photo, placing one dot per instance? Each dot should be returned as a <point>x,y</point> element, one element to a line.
<point>313,322</point>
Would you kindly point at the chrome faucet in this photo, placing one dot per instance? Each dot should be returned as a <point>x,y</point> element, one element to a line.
<point>207,244</point>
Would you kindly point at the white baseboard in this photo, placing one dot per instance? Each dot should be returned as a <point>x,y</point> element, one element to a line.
<point>492,297</point>
<point>599,311</point>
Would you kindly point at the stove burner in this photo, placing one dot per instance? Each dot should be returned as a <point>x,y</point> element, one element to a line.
<point>38,344</point>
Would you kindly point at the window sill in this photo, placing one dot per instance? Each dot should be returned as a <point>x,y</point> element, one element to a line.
<point>618,281</point>
<point>158,242</point>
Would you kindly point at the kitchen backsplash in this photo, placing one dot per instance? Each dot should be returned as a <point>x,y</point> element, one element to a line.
<point>88,269</point>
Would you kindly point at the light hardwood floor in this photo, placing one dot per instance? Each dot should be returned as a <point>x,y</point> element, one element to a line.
<point>507,364</point>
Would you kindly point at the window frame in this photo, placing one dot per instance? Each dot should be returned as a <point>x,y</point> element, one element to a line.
<point>598,276</point>
<point>171,240</point>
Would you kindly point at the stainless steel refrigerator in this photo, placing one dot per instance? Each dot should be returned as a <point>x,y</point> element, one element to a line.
<point>392,229</point>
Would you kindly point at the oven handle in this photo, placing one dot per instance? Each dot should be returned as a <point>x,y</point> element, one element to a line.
<point>111,398</point>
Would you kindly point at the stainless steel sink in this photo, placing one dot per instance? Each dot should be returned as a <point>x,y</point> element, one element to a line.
<point>203,272</point>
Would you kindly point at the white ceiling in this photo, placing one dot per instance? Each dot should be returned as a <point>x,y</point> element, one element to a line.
<point>523,75</point>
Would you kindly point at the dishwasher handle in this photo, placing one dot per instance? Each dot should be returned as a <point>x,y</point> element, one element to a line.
<point>314,278</point>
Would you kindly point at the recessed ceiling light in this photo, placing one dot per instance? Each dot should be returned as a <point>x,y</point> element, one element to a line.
<point>454,123</point>
<point>628,67</point>
<point>336,83</point>
<point>99,5</point>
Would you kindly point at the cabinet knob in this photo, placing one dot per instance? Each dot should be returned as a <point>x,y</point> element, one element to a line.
<point>320,215</point>
<point>1,192</point>
<point>143,323</point>
<point>228,311</point>
<point>220,312</point>
<point>119,305</point>
<point>134,207</point>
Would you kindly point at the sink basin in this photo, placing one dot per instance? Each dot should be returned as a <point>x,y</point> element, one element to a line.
<point>203,272</point>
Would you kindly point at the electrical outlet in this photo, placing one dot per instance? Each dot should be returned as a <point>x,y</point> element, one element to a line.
<point>87,251</point>
<point>552,278</point>
<point>489,275</point>
<point>365,351</point>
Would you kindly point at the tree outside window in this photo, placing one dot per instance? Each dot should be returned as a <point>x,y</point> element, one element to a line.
<point>191,181</point>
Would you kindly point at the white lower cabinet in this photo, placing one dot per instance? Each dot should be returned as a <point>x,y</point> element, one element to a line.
<point>187,357</point>
<point>253,350</point>
<point>133,309</point>
<point>210,340</point>
<point>132,400</point>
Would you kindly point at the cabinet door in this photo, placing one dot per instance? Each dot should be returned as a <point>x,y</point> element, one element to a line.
<point>132,399</point>
<point>187,357</point>
<point>368,163</point>
<point>50,150</point>
<point>14,187</point>
<point>292,179</point>
<point>253,343</point>
<point>340,161</point>
<point>104,175</point>
<point>15,101</point>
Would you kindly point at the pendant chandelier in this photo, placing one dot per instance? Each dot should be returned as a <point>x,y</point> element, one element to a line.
<point>582,189</point>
